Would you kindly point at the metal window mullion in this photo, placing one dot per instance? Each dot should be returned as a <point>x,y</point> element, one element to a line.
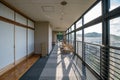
<point>83,51</point>
<point>74,38</point>
<point>105,38</point>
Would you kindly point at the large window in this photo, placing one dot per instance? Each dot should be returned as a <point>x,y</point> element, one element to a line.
<point>93,13</point>
<point>79,23</point>
<point>93,34</point>
<point>66,31</point>
<point>67,38</point>
<point>115,53</point>
<point>115,32</point>
<point>114,64</point>
<point>114,4</point>
<point>101,57</point>
<point>72,38</point>
<point>92,56</point>
<point>79,43</point>
<point>72,27</point>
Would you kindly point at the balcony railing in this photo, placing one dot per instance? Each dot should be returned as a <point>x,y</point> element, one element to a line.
<point>104,61</point>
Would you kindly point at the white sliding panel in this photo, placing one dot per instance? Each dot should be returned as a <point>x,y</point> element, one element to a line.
<point>6,44</point>
<point>30,41</point>
<point>6,12</point>
<point>20,42</point>
<point>30,23</point>
<point>19,18</point>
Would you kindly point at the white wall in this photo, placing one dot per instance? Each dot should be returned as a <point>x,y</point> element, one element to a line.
<point>6,44</point>
<point>49,39</point>
<point>30,41</point>
<point>20,42</point>
<point>6,12</point>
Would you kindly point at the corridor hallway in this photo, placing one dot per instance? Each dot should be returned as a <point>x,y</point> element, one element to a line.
<point>57,67</point>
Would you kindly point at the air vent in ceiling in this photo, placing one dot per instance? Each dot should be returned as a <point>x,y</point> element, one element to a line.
<point>48,8</point>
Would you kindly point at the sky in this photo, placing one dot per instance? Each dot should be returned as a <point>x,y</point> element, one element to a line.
<point>95,28</point>
<point>114,4</point>
<point>115,26</point>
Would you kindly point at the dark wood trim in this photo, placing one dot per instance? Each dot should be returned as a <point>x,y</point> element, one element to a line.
<point>31,28</point>
<point>15,23</point>
<point>14,9</point>
<point>27,40</point>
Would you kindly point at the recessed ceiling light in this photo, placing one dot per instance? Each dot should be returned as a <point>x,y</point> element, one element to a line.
<point>63,3</point>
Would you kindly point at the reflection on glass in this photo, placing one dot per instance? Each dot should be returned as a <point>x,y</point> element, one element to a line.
<point>79,43</point>
<point>79,23</point>
<point>114,4</point>
<point>115,32</point>
<point>93,34</point>
<point>95,12</point>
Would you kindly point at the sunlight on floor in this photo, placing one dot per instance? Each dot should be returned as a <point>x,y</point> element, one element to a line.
<point>64,69</point>
<point>58,66</point>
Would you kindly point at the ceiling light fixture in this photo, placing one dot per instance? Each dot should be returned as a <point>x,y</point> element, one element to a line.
<point>63,3</point>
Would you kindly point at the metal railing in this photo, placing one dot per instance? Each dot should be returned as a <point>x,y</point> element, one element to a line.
<point>96,57</point>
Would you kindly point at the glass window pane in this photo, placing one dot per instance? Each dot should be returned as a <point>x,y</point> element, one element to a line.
<point>79,35</point>
<point>79,23</point>
<point>67,31</point>
<point>115,32</point>
<point>72,36</point>
<point>70,30</point>
<point>72,27</point>
<point>92,56</point>
<point>95,12</point>
<point>114,4</point>
<point>93,34</point>
<point>79,43</point>
<point>66,37</point>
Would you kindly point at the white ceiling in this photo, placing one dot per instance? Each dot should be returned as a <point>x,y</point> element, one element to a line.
<point>51,10</point>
